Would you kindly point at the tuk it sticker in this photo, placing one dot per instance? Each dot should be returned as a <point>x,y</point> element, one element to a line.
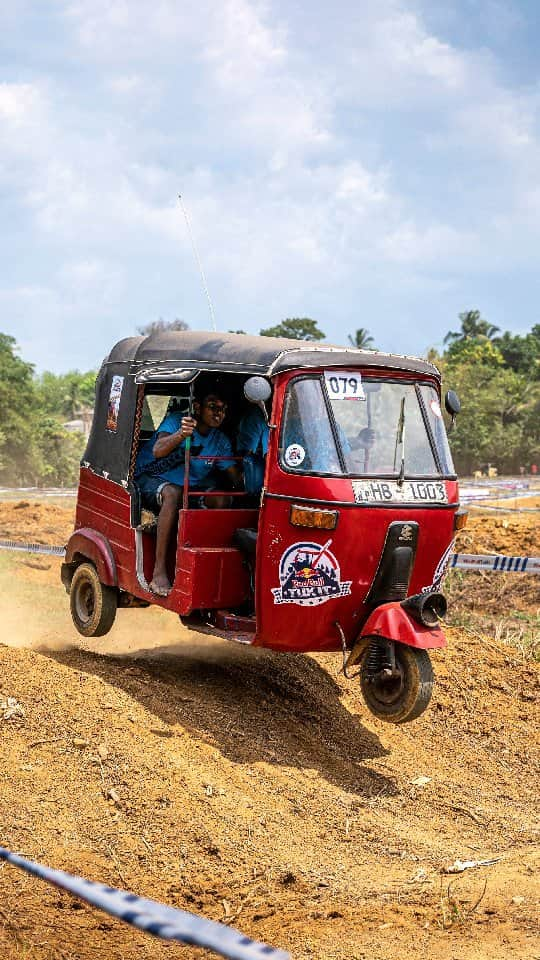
<point>309,574</point>
<point>113,407</point>
<point>344,385</point>
<point>294,455</point>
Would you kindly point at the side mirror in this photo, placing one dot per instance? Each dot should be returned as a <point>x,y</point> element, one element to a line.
<point>257,390</point>
<point>453,406</point>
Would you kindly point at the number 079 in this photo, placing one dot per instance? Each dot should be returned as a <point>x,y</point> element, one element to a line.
<point>346,386</point>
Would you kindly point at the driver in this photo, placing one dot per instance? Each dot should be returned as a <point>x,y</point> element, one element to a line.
<point>159,470</point>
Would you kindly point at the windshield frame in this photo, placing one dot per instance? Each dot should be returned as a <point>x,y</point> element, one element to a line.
<point>347,474</point>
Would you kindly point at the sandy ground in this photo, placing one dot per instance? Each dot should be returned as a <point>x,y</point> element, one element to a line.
<point>255,787</point>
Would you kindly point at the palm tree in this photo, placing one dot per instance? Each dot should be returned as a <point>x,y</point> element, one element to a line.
<point>362,340</point>
<point>473,327</point>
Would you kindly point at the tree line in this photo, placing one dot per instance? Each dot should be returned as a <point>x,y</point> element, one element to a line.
<point>495,373</point>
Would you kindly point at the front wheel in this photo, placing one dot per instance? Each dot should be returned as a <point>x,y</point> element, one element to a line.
<point>400,694</point>
<point>93,605</point>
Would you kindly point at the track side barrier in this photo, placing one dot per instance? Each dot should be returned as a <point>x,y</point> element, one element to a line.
<point>169,923</point>
<point>33,548</point>
<point>495,562</point>
<point>466,561</point>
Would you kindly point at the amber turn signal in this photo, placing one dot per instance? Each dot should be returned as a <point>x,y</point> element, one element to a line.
<point>460,519</point>
<point>308,517</point>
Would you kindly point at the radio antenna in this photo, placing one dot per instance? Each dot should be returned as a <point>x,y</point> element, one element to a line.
<point>198,261</point>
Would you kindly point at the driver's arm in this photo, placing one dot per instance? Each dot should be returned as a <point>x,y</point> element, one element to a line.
<point>167,442</point>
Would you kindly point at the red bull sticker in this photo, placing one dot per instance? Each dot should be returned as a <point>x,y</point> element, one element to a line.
<point>294,455</point>
<point>309,574</point>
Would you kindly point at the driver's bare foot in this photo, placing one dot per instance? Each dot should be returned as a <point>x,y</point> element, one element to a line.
<point>160,586</point>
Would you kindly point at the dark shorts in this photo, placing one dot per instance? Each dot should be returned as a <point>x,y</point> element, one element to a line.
<point>151,490</point>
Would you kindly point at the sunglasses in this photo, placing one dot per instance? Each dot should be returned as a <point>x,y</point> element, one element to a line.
<point>216,407</point>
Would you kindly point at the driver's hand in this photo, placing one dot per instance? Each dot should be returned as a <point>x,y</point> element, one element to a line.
<point>188,426</point>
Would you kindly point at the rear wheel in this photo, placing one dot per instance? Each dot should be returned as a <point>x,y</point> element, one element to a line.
<point>93,605</point>
<point>402,694</point>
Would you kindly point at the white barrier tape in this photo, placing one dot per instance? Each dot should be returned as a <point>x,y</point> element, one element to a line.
<point>467,561</point>
<point>496,562</point>
<point>484,505</point>
<point>156,918</point>
<point>32,548</point>
<point>41,491</point>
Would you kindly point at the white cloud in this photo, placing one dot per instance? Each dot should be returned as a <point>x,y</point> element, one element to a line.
<point>300,151</point>
<point>17,101</point>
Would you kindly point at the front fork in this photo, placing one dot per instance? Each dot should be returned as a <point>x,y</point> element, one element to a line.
<point>388,624</point>
<point>380,661</point>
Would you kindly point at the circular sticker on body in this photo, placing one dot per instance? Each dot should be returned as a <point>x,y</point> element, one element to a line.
<point>435,407</point>
<point>294,455</point>
<point>309,575</point>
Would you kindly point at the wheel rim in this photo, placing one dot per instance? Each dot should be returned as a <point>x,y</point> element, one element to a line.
<point>85,602</point>
<point>388,690</point>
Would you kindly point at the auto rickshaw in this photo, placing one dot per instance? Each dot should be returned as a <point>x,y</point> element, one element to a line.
<point>346,544</point>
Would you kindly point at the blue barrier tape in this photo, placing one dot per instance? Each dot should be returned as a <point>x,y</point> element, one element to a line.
<point>496,562</point>
<point>156,918</point>
<point>467,561</point>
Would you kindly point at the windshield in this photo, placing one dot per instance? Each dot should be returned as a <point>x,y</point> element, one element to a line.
<point>392,430</point>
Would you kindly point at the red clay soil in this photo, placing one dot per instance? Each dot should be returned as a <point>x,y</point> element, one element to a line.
<point>256,788</point>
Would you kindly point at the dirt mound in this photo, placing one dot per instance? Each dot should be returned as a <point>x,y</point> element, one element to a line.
<point>253,786</point>
<point>32,522</point>
<point>515,536</point>
<point>505,606</point>
<point>256,788</point>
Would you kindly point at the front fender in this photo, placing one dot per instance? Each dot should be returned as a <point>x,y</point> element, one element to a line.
<point>390,620</point>
<point>87,544</point>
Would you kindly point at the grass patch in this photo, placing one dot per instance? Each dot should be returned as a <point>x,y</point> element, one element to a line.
<point>503,606</point>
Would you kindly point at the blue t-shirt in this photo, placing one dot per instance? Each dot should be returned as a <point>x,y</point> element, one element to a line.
<point>253,433</point>
<point>170,469</point>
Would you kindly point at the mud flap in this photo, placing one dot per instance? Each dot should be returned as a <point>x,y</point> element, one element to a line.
<point>391,621</point>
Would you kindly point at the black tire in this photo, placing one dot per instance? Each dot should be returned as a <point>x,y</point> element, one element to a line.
<point>403,698</point>
<point>93,605</point>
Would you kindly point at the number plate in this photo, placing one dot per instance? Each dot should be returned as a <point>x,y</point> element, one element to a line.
<point>389,491</point>
<point>344,385</point>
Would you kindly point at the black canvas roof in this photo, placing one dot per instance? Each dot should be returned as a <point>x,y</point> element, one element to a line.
<point>243,353</point>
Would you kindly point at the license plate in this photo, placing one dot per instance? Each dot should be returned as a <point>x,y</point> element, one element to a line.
<point>389,491</point>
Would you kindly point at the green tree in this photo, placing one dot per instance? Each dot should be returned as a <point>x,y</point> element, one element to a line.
<point>473,327</point>
<point>162,326</point>
<point>295,328</point>
<point>60,452</point>
<point>499,422</point>
<point>362,339</point>
<point>66,395</point>
<point>18,450</point>
<point>522,354</point>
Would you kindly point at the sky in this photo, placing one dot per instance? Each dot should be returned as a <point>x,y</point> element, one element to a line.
<point>366,163</point>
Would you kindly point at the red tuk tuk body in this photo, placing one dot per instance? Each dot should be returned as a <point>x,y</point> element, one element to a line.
<point>342,551</point>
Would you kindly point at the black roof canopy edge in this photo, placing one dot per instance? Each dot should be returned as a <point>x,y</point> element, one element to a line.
<point>244,353</point>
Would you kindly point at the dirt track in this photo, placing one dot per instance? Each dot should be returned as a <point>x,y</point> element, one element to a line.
<point>256,787</point>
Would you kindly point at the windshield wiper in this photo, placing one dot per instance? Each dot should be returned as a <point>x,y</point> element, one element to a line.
<point>400,443</point>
